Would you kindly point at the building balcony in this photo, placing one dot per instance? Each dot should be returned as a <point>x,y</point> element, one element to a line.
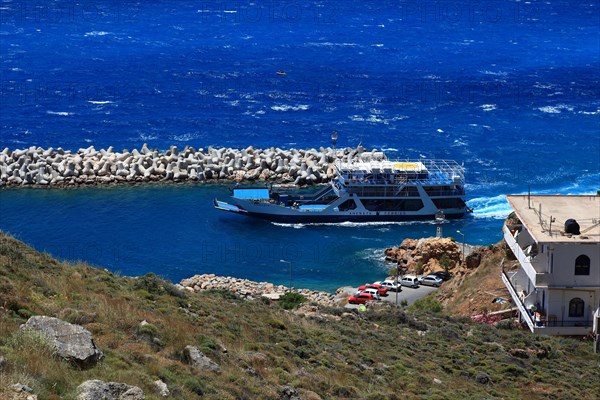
<point>538,322</point>
<point>531,267</point>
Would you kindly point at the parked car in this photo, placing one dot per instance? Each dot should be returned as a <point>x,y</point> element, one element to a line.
<point>443,275</point>
<point>360,298</point>
<point>391,286</point>
<point>372,291</point>
<point>410,281</point>
<point>382,290</point>
<point>431,280</point>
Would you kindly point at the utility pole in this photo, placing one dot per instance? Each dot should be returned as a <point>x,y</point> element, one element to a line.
<point>463,246</point>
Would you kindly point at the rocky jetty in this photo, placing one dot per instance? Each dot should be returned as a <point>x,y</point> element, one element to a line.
<point>36,166</point>
<point>249,290</point>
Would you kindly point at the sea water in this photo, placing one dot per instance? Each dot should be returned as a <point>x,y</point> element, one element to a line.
<point>509,88</point>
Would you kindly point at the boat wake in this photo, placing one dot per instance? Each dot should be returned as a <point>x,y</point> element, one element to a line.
<point>348,224</point>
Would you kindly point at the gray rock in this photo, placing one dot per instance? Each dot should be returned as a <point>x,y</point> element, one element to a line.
<point>161,388</point>
<point>199,360</point>
<point>288,393</point>
<point>73,342</point>
<point>482,378</point>
<point>100,390</point>
<point>19,387</point>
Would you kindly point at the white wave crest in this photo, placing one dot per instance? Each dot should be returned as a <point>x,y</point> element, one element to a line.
<point>100,102</point>
<point>555,109</point>
<point>589,112</point>
<point>184,138</point>
<point>287,107</point>
<point>96,33</point>
<point>61,113</point>
<point>488,107</point>
<point>499,73</point>
<point>330,44</point>
<point>490,207</point>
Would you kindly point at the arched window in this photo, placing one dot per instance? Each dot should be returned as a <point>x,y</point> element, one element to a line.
<point>582,265</point>
<point>576,307</point>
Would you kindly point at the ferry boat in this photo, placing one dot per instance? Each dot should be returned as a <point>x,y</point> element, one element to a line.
<point>377,189</point>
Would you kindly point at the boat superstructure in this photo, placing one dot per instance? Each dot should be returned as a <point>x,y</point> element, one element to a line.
<point>375,189</point>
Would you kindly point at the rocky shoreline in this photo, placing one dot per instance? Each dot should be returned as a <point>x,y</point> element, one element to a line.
<point>36,166</point>
<point>249,290</point>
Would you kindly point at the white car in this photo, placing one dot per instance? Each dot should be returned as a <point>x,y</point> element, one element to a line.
<point>431,280</point>
<point>391,286</point>
<point>410,281</point>
<point>373,291</point>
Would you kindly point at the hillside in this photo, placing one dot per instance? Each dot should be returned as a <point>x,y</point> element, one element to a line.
<point>263,351</point>
<point>471,291</point>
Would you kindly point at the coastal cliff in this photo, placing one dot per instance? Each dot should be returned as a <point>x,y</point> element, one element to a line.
<point>68,330</point>
<point>36,166</point>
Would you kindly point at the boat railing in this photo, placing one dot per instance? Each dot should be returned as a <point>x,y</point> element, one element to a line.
<point>434,171</point>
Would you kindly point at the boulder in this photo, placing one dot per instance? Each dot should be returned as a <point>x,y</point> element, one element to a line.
<point>100,390</point>
<point>473,260</point>
<point>22,392</point>
<point>288,393</point>
<point>199,360</point>
<point>161,388</point>
<point>74,343</point>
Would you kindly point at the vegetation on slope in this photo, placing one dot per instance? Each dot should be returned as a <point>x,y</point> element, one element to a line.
<point>381,354</point>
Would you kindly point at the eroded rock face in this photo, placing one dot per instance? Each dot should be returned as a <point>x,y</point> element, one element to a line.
<point>199,360</point>
<point>100,390</point>
<point>425,254</point>
<point>74,343</point>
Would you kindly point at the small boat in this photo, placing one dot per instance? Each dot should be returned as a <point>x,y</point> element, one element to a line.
<point>376,189</point>
<point>281,72</point>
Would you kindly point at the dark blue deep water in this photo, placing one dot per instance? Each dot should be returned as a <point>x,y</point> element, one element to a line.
<point>510,88</point>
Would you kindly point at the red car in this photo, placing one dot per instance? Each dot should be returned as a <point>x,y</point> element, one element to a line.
<point>382,290</point>
<point>360,298</point>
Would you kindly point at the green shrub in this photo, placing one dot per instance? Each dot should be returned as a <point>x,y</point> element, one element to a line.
<point>445,261</point>
<point>277,324</point>
<point>419,268</point>
<point>426,304</point>
<point>290,301</point>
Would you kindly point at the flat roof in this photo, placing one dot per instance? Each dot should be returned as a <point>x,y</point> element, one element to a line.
<point>584,209</point>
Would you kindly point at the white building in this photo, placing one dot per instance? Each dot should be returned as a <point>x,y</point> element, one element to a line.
<point>555,280</point>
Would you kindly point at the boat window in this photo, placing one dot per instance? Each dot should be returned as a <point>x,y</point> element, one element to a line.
<point>347,205</point>
<point>393,205</point>
<point>582,265</point>
<point>448,203</point>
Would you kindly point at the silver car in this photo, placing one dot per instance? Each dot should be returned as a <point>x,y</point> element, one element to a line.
<point>431,280</point>
<point>410,281</point>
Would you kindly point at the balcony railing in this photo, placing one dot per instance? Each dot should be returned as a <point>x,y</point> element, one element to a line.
<point>537,278</point>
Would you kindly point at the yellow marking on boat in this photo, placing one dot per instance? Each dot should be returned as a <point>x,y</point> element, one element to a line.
<point>406,165</point>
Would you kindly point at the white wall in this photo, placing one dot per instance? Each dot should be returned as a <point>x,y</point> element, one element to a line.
<point>564,265</point>
<point>558,303</point>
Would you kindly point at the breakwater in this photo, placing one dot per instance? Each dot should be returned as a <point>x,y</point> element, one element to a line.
<point>247,289</point>
<point>36,166</point>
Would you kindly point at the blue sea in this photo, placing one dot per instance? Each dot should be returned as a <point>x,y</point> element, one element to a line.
<point>509,88</point>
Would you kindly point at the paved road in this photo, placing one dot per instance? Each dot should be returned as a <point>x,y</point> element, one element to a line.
<point>408,294</point>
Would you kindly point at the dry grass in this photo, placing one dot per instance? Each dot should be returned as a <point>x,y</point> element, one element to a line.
<point>377,355</point>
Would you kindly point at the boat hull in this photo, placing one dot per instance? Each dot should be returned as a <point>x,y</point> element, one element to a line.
<point>316,219</point>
